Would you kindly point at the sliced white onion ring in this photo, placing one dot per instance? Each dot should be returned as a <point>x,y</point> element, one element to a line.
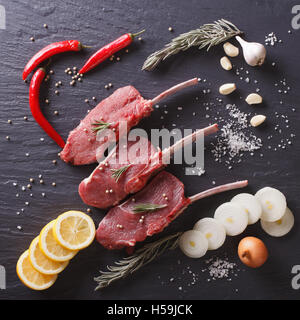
<point>250,204</point>
<point>273,203</point>
<point>280,227</point>
<point>193,244</point>
<point>233,217</point>
<point>213,231</point>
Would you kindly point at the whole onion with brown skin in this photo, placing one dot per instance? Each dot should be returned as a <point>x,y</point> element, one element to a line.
<point>252,252</point>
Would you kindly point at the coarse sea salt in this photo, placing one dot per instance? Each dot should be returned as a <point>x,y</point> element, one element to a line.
<point>216,268</point>
<point>271,39</point>
<point>220,268</point>
<point>236,137</point>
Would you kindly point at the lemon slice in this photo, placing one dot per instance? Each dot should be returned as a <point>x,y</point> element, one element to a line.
<point>51,248</point>
<point>74,230</point>
<point>41,263</point>
<point>32,278</point>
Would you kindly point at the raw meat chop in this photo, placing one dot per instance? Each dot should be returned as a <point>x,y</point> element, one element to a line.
<point>101,189</point>
<point>123,227</point>
<point>125,105</point>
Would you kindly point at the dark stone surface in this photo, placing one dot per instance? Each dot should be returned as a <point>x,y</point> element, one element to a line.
<point>96,23</point>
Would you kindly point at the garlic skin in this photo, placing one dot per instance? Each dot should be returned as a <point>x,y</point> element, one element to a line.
<point>254,52</point>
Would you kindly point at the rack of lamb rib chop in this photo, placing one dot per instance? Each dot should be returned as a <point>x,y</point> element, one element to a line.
<point>149,211</point>
<point>124,105</point>
<point>119,174</point>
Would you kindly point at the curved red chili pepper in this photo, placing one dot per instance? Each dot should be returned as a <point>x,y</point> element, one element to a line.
<point>108,50</point>
<point>34,93</point>
<point>49,51</point>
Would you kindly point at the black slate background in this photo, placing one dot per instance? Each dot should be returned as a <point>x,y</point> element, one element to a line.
<point>96,23</point>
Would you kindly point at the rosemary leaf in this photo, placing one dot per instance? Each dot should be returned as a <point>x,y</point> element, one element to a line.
<point>146,207</point>
<point>100,125</point>
<point>140,258</point>
<point>117,173</point>
<point>208,35</point>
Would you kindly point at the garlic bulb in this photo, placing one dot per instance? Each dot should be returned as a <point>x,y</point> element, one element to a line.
<point>254,53</point>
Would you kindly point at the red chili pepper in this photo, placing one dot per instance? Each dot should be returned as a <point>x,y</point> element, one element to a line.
<point>108,50</point>
<point>49,51</point>
<point>34,93</point>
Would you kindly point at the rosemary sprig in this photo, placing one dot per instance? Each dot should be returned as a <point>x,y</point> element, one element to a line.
<point>100,125</point>
<point>117,173</point>
<point>140,258</point>
<point>207,35</point>
<point>146,207</point>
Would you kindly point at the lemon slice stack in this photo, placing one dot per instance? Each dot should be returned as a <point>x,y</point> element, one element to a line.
<point>50,252</point>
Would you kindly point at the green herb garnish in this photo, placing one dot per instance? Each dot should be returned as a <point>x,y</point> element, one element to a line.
<point>146,207</point>
<point>116,173</point>
<point>100,125</point>
<point>208,35</point>
<point>134,262</point>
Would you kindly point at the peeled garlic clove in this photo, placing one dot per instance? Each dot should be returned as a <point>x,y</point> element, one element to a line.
<point>227,88</point>
<point>257,120</point>
<point>253,98</point>
<point>193,244</point>
<point>213,231</point>
<point>254,52</point>
<point>280,227</point>
<point>230,49</point>
<point>273,203</point>
<point>225,63</point>
<point>233,218</point>
<point>251,206</point>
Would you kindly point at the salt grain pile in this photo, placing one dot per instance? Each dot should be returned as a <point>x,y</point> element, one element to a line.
<point>220,268</point>
<point>216,268</point>
<point>235,137</point>
<point>271,39</point>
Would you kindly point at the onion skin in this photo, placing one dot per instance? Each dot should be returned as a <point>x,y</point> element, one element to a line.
<point>252,252</point>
